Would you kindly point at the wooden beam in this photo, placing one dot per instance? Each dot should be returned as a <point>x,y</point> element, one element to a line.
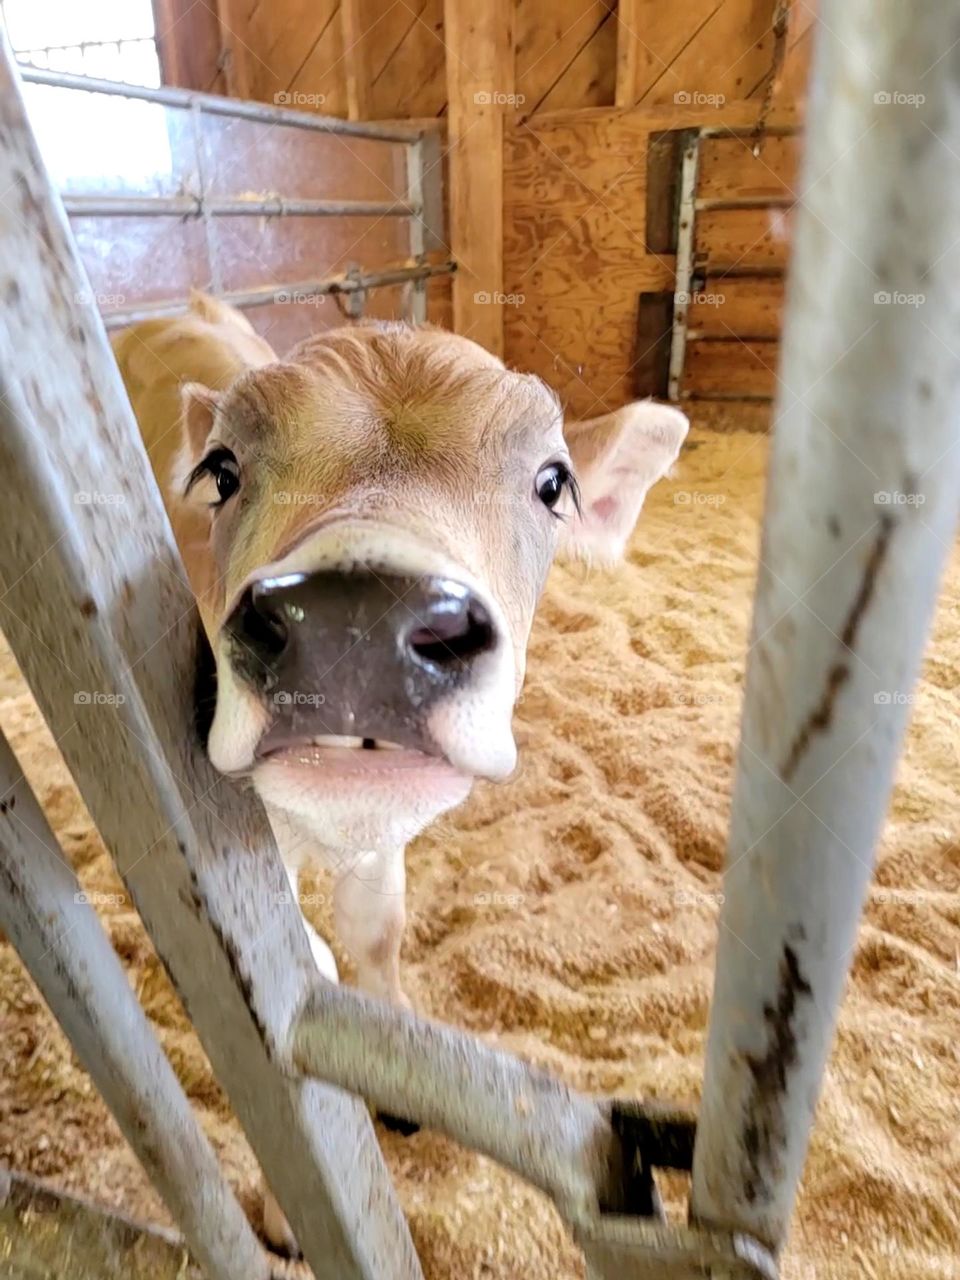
<point>480,78</point>
<point>354,30</point>
<point>629,19</point>
<point>235,53</point>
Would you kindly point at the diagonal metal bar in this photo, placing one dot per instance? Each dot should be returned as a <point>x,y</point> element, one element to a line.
<point>83,543</point>
<point>65,950</point>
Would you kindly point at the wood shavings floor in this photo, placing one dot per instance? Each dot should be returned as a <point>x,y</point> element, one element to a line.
<point>570,916</point>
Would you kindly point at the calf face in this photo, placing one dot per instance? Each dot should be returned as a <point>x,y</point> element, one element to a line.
<point>380,512</point>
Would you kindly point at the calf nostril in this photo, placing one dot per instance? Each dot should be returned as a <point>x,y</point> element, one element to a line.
<point>261,622</point>
<point>454,631</point>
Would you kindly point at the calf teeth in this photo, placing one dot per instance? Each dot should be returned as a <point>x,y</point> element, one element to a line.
<point>337,740</point>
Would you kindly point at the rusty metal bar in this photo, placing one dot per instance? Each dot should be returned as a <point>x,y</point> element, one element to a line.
<point>57,935</point>
<point>267,206</point>
<point>861,513</point>
<point>233,108</point>
<point>279,294</point>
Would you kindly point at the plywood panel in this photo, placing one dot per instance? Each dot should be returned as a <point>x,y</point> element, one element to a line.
<point>730,369</point>
<point>575,260</point>
<point>750,307</point>
<point>742,238</point>
<point>730,168</point>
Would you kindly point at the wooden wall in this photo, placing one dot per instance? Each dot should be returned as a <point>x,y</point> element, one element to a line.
<point>551,106</point>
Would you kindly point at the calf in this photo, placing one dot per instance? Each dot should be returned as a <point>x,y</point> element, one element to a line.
<point>367,526</point>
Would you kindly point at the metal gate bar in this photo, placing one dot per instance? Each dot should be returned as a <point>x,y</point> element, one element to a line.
<point>94,602</point>
<point>62,944</point>
<point>211,104</point>
<point>861,511</point>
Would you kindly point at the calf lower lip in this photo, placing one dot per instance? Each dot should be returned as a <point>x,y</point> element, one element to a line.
<point>353,762</point>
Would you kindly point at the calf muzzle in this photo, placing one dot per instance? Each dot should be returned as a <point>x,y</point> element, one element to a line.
<point>357,653</point>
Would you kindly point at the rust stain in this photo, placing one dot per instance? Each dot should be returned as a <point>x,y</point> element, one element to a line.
<point>764,1137</point>
<point>822,714</point>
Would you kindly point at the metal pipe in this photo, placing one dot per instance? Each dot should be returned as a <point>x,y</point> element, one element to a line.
<point>213,105</point>
<point>684,263</point>
<point>448,1080</point>
<point>230,207</point>
<point>860,514</point>
<point>274,295</point>
<point>65,950</point>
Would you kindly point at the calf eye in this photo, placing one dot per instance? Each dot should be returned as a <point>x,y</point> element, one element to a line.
<point>551,482</point>
<point>224,469</point>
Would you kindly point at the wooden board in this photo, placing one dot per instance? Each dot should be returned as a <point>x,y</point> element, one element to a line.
<point>742,238</point>
<point>748,307</point>
<point>565,54</point>
<point>575,259</point>
<point>730,369</point>
<point>718,52</point>
<point>729,168</point>
<point>479,62</point>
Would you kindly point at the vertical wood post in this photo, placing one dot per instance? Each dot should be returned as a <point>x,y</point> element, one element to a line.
<point>480,90</point>
<point>860,514</point>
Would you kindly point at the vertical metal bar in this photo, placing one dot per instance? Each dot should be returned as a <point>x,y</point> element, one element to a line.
<point>417,297</point>
<point>65,950</point>
<point>860,515</point>
<point>689,166</point>
<point>210,233</point>
<point>94,602</point>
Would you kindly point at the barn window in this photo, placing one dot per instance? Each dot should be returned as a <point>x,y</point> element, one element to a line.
<point>107,39</point>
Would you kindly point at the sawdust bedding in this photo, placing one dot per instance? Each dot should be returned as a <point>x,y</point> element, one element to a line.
<point>570,916</point>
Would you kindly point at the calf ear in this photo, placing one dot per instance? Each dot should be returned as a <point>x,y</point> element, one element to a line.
<point>198,404</point>
<point>617,458</point>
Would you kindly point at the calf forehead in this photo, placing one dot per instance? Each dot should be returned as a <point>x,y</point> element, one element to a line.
<point>366,406</point>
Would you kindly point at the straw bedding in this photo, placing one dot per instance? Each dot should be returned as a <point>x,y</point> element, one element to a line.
<point>570,916</point>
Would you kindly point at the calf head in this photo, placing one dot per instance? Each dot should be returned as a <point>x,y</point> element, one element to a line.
<point>379,513</point>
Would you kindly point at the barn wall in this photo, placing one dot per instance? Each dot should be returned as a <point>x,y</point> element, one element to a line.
<point>551,108</point>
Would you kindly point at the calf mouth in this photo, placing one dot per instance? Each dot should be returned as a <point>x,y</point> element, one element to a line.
<point>347,756</point>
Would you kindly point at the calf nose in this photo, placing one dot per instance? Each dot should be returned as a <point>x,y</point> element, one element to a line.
<point>358,653</point>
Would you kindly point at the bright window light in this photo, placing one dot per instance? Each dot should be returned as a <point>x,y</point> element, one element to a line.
<point>109,39</point>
